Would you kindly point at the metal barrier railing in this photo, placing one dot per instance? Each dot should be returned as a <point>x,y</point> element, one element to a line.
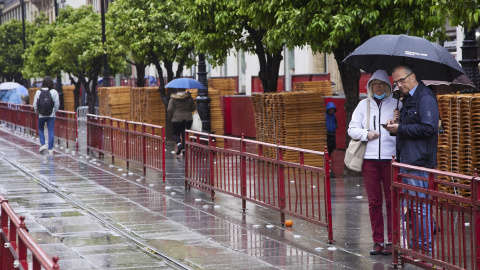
<point>140,143</point>
<point>18,244</point>
<point>66,127</point>
<point>433,228</point>
<point>241,169</point>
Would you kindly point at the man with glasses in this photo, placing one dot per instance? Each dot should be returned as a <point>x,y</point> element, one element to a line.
<point>417,139</point>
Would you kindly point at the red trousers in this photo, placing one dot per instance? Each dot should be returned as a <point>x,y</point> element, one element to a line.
<point>377,180</point>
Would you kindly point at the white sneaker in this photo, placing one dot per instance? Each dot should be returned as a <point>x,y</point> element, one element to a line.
<point>50,152</point>
<point>42,148</point>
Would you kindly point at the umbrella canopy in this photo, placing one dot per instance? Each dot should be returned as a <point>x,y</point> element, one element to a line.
<point>430,61</point>
<point>186,83</point>
<point>442,87</point>
<point>9,85</point>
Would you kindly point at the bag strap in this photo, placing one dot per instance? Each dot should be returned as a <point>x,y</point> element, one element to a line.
<point>368,113</point>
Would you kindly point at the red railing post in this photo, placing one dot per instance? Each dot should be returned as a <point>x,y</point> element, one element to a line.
<point>187,158</point>
<point>76,131</point>
<point>112,141</point>
<point>22,248</point>
<point>395,211</point>
<point>476,219</point>
<point>281,183</point>
<point>164,175</point>
<point>211,174</point>
<point>328,205</point>
<point>144,151</point>
<point>243,172</point>
<point>127,144</point>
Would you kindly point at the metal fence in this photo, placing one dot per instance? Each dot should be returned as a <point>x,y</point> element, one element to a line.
<point>241,169</point>
<point>140,143</point>
<point>17,245</point>
<point>431,227</point>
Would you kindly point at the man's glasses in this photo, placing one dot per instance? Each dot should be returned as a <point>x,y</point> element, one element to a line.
<point>402,80</point>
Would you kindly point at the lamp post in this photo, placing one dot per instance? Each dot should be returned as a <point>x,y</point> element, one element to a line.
<point>470,60</point>
<point>2,5</point>
<point>22,4</point>
<point>203,101</point>
<point>58,85</point>
<point>106,75</point>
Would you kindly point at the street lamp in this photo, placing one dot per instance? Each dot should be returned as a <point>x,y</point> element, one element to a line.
<point>59,86</point>
<point>106,75</point>
<point>22,3</point>
<point>203,101</point>
<point>2,5</point>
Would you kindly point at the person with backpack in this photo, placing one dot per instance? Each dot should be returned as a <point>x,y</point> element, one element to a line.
<point>46,103</point>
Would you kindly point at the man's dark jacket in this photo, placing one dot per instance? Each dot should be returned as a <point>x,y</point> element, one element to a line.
<point>417,135</point>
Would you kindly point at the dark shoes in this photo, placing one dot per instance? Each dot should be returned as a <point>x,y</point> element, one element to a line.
<point>179,148</point>
<point>379,249</point>
<point>387,250</point>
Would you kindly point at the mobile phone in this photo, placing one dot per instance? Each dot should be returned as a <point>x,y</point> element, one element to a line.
<point>384,125</point>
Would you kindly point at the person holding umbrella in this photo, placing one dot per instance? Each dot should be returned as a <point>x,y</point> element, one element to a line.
<point>180,108</point>
<point>417,139</point>
<point>376,168</point>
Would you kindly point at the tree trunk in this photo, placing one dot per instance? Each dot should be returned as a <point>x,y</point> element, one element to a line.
<point>165,98</point>
<point>140,74</point>
<point>350,80</point>
<point>76,92</point>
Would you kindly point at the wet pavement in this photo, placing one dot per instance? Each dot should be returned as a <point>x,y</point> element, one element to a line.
<point>95,214</point>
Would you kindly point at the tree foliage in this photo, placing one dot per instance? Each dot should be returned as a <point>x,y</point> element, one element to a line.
<point>77,49</point>
<point>11,48</point>
<point>465,13</point>
<point>153,32</point>
<point>339,27</point>
<point>222,26</point>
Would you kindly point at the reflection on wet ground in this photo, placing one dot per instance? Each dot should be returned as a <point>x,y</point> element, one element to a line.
<point>96,215</point>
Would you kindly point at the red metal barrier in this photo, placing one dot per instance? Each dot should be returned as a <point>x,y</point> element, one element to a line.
<point>25,116</point>
<point>454,225</point>
<point>140,143</point>
<point>17,244</point>
<point>66,127</point>
<point>241,169</point>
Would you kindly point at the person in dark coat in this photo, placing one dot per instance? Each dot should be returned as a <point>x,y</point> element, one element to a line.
<point>180,108</point>
<point>417,139</point>
<point>331,127</point>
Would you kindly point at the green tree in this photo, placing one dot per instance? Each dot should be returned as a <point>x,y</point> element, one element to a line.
<point>225,25</point>
<point>77,49</point>
<point>465,13</point>
<point>153,32</point>
<point>35,57</point>
<point>11,48</point>
<point>339,27</point>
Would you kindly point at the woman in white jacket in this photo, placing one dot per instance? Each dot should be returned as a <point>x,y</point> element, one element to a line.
<point>378,155</point>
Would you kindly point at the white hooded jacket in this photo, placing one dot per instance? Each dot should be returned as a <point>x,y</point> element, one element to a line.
<point>385,146</point>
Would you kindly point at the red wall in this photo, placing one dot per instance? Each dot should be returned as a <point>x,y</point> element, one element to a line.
<point>239,117</point>
<point>341,120</point>
<point>258,88</point>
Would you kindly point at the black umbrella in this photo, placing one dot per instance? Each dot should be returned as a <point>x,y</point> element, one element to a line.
<point>430,61</point>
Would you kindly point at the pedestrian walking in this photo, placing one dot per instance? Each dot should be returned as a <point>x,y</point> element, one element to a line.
<point>376,168</point>
<point>180,109</point>
<point>46,103</point>
<point>417,140</point>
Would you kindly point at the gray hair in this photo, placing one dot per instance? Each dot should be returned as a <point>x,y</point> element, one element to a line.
<point>407,68</point>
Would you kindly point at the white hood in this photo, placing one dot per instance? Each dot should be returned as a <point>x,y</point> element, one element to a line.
<point>382,76</point>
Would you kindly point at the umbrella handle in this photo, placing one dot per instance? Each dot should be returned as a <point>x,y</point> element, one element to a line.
<point>397,109</point>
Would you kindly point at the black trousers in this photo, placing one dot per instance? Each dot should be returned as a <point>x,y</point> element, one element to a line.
<point>178,130</point>
<point>331,143</point>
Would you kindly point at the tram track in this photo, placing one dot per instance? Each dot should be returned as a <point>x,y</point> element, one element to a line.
<point>172,262</point>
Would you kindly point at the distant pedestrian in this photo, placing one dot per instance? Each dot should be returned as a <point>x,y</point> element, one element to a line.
<point>46,103</point>
<point>376,169</point>
<point>331,127</point>
<point>417,139</point>
<point>180,109</point>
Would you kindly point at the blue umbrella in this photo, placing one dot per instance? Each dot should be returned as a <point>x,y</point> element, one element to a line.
<point>185,83</point>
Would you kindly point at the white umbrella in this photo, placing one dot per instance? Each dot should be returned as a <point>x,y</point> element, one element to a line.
<point>9,85</point>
